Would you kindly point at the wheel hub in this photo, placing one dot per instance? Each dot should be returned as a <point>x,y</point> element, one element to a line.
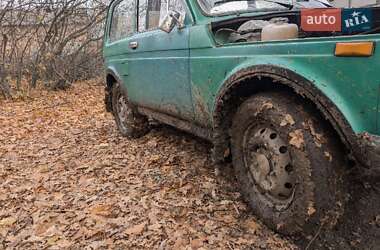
<point>269,165</point>
<point>260,171</point>
<point>123,111</point>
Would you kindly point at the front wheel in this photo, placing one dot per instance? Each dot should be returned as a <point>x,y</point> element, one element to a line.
<point>288,163</point>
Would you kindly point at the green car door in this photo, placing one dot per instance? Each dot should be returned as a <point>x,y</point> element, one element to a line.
<point>121,25</point>
<point>159,62</point>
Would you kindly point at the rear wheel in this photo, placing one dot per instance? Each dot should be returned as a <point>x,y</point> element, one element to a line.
<point>288,163</point>
<point>129,122</point>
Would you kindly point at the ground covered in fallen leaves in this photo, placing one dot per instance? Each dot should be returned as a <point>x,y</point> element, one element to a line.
<point>69,180</point>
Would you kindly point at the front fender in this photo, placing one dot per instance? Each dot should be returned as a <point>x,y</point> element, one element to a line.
<point>333,101</point>
<point>307,80</point>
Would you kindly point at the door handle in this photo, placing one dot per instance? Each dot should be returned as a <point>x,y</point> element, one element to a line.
<point>133,45</point>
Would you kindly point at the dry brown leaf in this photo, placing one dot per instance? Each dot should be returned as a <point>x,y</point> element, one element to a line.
<point>328,156</point>
<point>53,240</point>
<point>296,138</point>
<point>102,145</point>
<point>104,210</point>
<point>288,119</point>
<point>227,152</point>
<point>318,138</point>
<point>252,226</point>
<point>45,229</point>
<point>155,227</point>
<point>280,225</point>
<point>267,105</point>
<point>196,244</point>
<point>227,218</point>
<point>179,243</point>
<point>154,159</point>
<point>9,221</point>
<point>56,188</point>
<point>186,189</point>
<point>136,230</point>
<point>63,243</point>
<point>311,209</point>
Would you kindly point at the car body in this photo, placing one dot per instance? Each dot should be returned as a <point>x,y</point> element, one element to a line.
<point>186,78</point>
<point>193,74</point>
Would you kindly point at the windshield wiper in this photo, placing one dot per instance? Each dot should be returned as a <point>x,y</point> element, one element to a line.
<point>286,5</point>
<point>325,4</point>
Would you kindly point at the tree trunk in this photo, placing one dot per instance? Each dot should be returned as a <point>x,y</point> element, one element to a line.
<point>5,90</point>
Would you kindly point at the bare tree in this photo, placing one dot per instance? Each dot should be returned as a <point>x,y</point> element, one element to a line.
<point>55,42</point>
<point>4,86</point>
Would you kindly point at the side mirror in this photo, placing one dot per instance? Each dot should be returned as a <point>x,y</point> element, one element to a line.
<point>172,19</point>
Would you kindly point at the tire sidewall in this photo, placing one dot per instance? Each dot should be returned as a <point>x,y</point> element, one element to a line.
<point>116,93</point>
<point>315,191</point>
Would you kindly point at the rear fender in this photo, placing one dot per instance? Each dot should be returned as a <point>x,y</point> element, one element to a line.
<point>111,78</point>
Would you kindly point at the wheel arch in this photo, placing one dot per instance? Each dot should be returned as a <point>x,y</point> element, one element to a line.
<point>238,87</point>
<point>111,79</point>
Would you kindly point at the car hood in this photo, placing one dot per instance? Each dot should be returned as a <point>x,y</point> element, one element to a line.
<point>244,6</point>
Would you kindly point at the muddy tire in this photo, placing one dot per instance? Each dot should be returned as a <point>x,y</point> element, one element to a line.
<point>289,163</point>
<point>129,122</point>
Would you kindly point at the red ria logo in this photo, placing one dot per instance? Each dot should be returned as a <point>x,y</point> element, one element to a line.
<point>321,19</point>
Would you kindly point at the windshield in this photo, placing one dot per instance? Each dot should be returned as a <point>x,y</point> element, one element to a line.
<point>223,7</point>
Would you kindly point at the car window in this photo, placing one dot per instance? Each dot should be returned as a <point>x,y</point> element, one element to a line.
<point>123,20</point>
<point>177,5</point>
<point>149,14</point>
<point>152,12</point>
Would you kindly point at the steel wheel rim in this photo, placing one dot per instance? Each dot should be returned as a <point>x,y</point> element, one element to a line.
<point>123,111</point>
<point>268,164</point>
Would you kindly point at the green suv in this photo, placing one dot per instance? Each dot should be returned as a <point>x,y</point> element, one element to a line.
<point>293,104</point>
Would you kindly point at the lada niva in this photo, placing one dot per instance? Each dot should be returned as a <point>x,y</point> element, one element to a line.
<point>289,90</point>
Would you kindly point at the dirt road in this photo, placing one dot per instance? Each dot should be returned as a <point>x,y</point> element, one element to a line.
<point>69,180</point>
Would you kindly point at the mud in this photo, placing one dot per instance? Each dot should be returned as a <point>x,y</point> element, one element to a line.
<point>359,228</point>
